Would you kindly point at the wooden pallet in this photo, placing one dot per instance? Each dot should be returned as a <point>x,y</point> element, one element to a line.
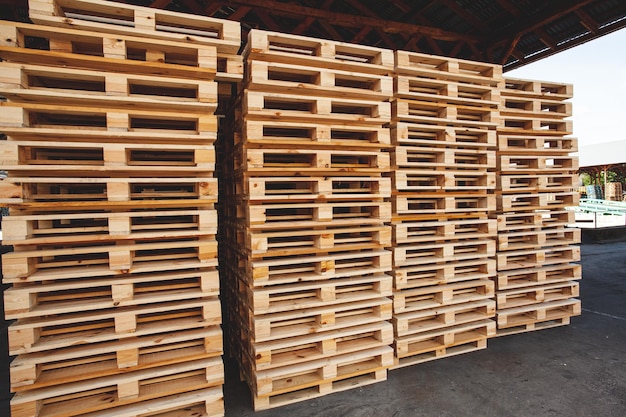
<point>416,276</point>
<point>416,204</point>
<point>344,372</point>
<point>412,323</point>
<point>526,239</point>
<point>298,322</point>
<point>105,393</point>
<point>442,91</point>
<point>535,295</point>
<point>438,230</point>
<point>537,275</point>
<point>533,107</point>
<point>69,296</point>
<point>429,135</point>
<point>515,87</point>
<point>301,268</point>
<point>531,314</point>
<point>563,236</point>
<point>26,261</point>
<point>522,259</point>
<point>279,353</point>
<point>45,84</point>
<point>272,244</point>
<point>54,332</point>
<point>70,117</point>
<point>514,222</point>
<point>529,145</point>
<point>443,342</point>
<point>474,160</point>
<point>258,105</point>
<point>275,189</point>
<point>281,133</point>
<point>537,126</point>
<point>101,226</point>
<point>420,254</point>
<point>81,363</point>
<point>301,50</point>
<point>286,216</point>
<point>98,159</point>
<point>88,49</point>
<point>444,114</point>
<point>437,296</point>
<point>207,403</point>
<point>534,164</point>
<point>431,180</point>
<point>99,191</point>
<point>308,80</point>
<point>448,69</point>
<point>530,327</point>
<point>284,162</point>
<point>526,183</point>
<point>536,201</point>
<point>299,296</point>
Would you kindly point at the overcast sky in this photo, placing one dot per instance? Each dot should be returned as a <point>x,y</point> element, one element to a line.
<point>598,71</point>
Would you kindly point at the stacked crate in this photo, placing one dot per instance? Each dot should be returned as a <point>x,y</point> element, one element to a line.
<point>445,115</point>
<point>111,188</point>
<point>308,273</point>
<point>536,283</point>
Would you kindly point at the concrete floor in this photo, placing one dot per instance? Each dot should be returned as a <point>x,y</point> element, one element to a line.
<point>575,370</point>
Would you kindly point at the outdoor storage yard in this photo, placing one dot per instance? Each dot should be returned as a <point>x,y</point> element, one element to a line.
<point>575,370</point>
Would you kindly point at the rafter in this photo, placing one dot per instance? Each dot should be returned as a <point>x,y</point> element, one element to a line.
<point>587,21</point>
<point>465,15</point>
<point>348,20</point>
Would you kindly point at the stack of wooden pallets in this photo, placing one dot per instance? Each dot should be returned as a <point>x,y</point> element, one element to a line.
<point>310,289</point>
<point>536,284</point>
<point>445,115</point>
<point>111,189</point>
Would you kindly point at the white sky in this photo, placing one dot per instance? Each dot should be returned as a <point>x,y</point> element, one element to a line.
<point>598,71</point>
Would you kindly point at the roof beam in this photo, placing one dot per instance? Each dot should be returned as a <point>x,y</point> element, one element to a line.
<point>348,20</point>
<point>587,21</point>
<point>465,15</point>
